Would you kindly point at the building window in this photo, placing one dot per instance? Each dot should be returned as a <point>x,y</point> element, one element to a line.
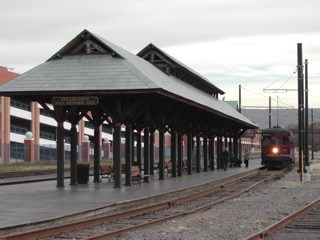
<point>45,113</point>
<point>106,129</point>
<point>47,135</point>
<point>17,151</point>
<point>67,139</point>
<point>88,125</point>
<point>20,104</point>
<point>48,153</point>
<point>18,129</point>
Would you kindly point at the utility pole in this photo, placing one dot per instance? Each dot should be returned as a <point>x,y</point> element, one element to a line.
<point>240,145</point>
<point>306,112</point>
<point>269,111</point>
<point>300,109</point>
<point>312,149</point>
<point>277,111</point>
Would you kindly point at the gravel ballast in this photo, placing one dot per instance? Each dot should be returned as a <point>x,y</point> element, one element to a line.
<point>243,216</point>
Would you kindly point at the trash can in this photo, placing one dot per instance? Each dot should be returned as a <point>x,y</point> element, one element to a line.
<point>83,173</point>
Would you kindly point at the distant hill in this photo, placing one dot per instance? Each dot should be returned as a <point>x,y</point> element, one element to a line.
<point>285,116</point>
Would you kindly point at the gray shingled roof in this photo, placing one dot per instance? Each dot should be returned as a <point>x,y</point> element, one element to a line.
<point>81,73</point>
<point>103,72</point>
<point>181,65</point>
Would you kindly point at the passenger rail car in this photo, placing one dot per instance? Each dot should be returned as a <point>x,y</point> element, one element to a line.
<point>277,147</point>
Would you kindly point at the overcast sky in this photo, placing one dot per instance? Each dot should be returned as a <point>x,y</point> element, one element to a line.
<point>252,43</point>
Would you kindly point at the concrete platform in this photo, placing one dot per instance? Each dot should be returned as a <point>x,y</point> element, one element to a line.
<point>25,203</point>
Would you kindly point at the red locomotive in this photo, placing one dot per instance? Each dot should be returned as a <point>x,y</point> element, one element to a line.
<point>277,147</point>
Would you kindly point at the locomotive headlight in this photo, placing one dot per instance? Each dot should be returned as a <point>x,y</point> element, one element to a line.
<point>275,150</point>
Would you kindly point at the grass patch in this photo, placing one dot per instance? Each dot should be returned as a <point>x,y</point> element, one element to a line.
<point>25,166</point>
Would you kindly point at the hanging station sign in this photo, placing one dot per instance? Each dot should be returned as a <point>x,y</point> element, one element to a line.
<point>65,101</point>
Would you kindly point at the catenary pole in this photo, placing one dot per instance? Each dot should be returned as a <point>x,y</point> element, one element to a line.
<point>306,112</point>
<point>240,146</point>
<point>312,148</point>
<point>269,112</point>
<point>300,108</point>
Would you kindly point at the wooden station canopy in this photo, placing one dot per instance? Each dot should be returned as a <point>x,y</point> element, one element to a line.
<point>93,78</point>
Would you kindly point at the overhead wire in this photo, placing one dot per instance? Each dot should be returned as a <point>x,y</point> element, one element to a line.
<point>288,105</point>
<point>280,100</point>
<point>253,92</point>
<point>292,71</point>
<point>287,80</point>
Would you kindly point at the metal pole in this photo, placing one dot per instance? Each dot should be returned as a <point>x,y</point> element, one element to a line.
<point>300,106</point>
<point>97,154</point>
<point>73,161</point>
<point>60,154</point>
<point>128,155</point>
<point>116,154</point>
<point>269,111</point>
<point>161,154</point>
<point>146,149</point>
<point>151,150</point>
<point>277,111</point>
<point>312,149</point>
<point>180,160</point>
<point>302,172</point>
<point>240,146</point>
<point>211,152</point>
<point>306,124</point>
<point>139,148</point>
<point>198,153</point>
<point>205,153</point>
<point>189,154</point>
<point>174,152</point>
<point>239,98</point>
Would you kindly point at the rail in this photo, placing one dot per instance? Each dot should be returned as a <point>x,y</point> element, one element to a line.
<point>285,221</point>
<point>164,211</point>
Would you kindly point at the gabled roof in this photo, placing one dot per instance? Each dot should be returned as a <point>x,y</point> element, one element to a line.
<point>172,66</point>
<point>86,43</point>
<point>89,64</point>
<point>105,67</point>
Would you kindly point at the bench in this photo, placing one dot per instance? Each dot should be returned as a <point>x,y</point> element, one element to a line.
<point>123,168</point>
<point>169,167</point>
<point>106,172</point>
<point>209,164</point>
<point>185,165</point>
<point>137,176</point>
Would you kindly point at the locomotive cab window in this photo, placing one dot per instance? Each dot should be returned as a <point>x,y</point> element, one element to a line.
<point>285,140</point>
<point>274,140</point>
<point>265,140</point>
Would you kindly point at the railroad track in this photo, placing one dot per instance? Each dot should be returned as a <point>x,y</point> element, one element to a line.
<point>15,174</point>
<point>112,225</point>
<point>302,224</point>
<point>30,176</point>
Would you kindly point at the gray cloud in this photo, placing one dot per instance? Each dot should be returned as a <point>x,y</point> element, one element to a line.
<point>33,30</point>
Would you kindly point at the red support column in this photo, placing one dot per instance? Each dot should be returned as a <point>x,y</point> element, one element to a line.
<point>86,149</point>
<point>4,124</point>
<point>35,129</point>
<point>29,148</point>
<point>106,144</point>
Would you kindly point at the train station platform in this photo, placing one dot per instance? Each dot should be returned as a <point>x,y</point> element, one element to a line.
<point>26,203</point>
